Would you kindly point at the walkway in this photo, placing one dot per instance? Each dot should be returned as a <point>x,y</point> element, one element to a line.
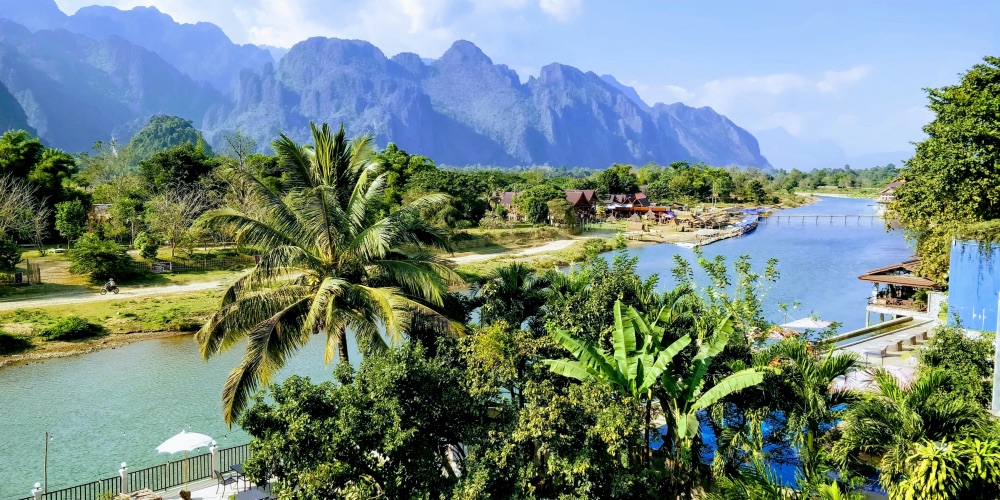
<point>551,246</point>
<point>894,344</point>
<point>205,489</point>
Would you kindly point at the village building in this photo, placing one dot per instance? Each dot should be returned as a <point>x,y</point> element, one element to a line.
<point>897,292</point>
<point>888,194</point>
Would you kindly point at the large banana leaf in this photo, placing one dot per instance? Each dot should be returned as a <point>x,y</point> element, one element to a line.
<point>571,369</point>
<point>663,359</point>
<point>624,338</point>
<point>733,383</point>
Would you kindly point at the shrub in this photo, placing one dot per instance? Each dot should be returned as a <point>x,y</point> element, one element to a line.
<point>12,344</point>
<point>147,245</point>
<point>101,259</point>
<point>71,328</point>
<point>10,253</point>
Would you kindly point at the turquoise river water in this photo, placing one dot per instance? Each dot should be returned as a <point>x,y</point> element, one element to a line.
<point>117,405</point>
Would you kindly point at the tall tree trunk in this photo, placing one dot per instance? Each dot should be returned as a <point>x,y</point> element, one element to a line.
<point>342,346</point>
<point>649,408</point>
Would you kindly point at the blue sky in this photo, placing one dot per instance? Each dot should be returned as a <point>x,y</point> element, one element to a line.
<point>807,74</point>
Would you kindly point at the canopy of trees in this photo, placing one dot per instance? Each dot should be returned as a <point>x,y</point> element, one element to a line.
<point>953,182</point>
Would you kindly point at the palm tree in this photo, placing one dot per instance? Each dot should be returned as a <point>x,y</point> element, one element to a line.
<point>810,406</point>
<point>885,426</point>
<point>513,293</point>
<point>328,262</point>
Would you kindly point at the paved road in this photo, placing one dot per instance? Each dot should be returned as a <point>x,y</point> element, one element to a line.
<point>126,293</point>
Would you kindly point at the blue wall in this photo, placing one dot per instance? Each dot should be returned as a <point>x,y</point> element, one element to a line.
<point>974,285</point>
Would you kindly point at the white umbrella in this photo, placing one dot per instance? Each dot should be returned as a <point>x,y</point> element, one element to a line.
<point>807,324</point>
<point>185,442</point>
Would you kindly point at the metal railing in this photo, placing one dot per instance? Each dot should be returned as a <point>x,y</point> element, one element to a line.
<point>89,491</point>
<point>171,474</point>
<point>233,456</point>
<point>156,478</point>
<point>898,303</point>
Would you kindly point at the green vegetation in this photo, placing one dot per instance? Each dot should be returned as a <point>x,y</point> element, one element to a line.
<point>180,312</point>
<point>165,132</point>
<point>330,261</point>
<point>101,259</point>
<point>71,328</point>
<point>952,183</point>
<point>12,344</point>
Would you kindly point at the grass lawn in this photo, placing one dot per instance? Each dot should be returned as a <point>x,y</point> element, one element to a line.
<point>176,312</point>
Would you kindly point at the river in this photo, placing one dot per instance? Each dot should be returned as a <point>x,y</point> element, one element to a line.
<point>117,405</point>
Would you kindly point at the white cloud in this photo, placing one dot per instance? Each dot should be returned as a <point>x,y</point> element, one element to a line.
<point>561,10</point>
<point>834,80</point>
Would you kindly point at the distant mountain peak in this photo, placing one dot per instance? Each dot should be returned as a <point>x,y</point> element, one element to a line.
<point>625,89</point>
<point>464,52</point>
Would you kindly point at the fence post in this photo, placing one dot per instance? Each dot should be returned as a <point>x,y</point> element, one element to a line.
<point>37,491</point>
<point>214,449</point>
<point>123,474</point>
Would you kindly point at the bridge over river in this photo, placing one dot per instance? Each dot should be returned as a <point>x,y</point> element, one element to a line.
<point>789,218</point>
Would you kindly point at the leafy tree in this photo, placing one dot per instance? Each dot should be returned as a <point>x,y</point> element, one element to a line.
<point>147,245</point>
<point>968,359</point>
<point>883,427</point>
<point>533,202</point>
<point>10,253</point>
<point>71,219</point>
<point>574,443</point>
<point>52,171</point>
<point>328,262</point>
<point>179,167</point>
<point>618,179</point>
<point>19,153</point>
<point>562,212</point>
<point>125,218</point>
<point>399,166</point>
<point>172,213</point>
<point>953,179</point>
<point>394,429</point>
<point>164,132</point>
<point>100,259</point>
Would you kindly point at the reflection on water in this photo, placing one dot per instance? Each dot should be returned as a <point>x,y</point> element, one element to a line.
<point>103,408</point>
<point>117,405</point>
<point>819,263</point>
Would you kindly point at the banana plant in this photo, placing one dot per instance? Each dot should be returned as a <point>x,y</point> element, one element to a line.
<point>639,356</point>
<point>686,395</point>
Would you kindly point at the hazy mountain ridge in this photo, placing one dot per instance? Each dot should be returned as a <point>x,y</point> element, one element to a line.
<point>103,70</point>
<point>202,51</point>
<point>463,108</point>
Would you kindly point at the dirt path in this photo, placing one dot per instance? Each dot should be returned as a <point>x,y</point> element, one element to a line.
<point>551,246</point>
<point>94,296</point>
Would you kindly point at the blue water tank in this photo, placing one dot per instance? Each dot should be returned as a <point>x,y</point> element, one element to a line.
<point>974,285</point>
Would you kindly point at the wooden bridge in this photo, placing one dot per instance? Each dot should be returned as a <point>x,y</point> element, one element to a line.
<point>825,218</point>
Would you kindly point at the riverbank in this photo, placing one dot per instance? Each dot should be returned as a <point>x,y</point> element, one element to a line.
<point>56,350</point>
<point>866,193</point>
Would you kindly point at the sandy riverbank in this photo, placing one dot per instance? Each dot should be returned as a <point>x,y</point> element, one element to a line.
<point>55,350</point>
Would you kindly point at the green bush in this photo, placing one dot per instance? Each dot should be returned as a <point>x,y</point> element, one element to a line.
<point>147,245</point>
<point>101,259</point>
<point>71,328</point>
<point>12,344</point>
<point>10,253</point>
